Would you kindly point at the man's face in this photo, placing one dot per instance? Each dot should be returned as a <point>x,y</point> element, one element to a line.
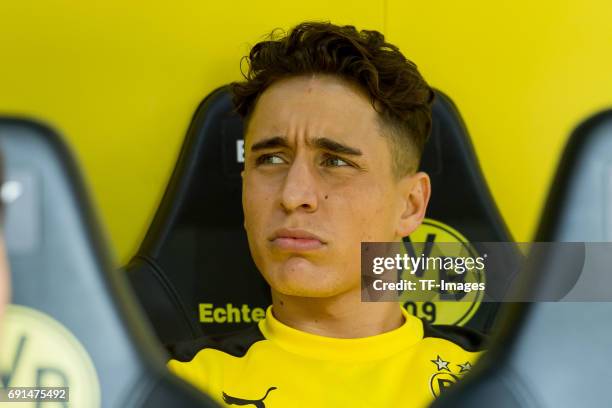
<point>317,182</point>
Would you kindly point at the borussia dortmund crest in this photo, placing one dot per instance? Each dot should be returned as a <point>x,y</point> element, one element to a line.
<point>429,235</point>
<point>446,375</point>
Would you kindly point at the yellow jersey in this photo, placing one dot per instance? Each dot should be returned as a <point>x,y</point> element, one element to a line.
<point>272,365</point>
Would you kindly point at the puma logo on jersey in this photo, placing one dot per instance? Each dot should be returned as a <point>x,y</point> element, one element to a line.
<point>239,401</point>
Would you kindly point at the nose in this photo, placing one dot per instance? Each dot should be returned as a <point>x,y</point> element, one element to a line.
<point>300,188</point>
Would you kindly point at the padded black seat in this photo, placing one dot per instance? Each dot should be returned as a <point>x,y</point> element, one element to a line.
<point>558,354</point>
<point>196,249</point>
<point>73,321</point>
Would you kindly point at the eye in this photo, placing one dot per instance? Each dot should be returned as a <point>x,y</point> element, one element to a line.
<point>335,161</point>
<point>269,159</point>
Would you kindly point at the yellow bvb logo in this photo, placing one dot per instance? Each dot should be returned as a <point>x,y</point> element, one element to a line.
<point>436,310</point>
<point>38,351</point>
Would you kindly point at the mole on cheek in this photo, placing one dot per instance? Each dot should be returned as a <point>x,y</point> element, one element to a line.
<point>326,196</point>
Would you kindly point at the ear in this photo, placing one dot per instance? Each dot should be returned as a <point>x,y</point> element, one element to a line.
<point>415,190</point>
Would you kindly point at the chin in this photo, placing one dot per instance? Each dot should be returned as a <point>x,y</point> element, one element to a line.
<point>299,277</point>
<point>306,290</point>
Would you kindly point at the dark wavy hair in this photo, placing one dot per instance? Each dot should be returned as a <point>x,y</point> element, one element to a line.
<point>397,91</point>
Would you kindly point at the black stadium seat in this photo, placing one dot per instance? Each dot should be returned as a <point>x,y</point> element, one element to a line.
<point>73,322</point>
<point>557,355</point>
<point>195,254</point>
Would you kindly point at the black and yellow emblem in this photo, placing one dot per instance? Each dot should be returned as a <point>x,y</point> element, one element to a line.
<point>38,351</point>
<point>437,309</point>
<point>446,375</point>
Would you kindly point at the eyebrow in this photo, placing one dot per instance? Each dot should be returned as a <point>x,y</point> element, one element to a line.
<point>270,143</point>
<point>320,142</point>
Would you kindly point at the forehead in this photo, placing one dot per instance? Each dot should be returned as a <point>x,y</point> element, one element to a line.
<point>320,105</point>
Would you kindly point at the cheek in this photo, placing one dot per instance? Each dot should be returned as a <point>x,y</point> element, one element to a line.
<point>365,212</point>
<point>257,199</point>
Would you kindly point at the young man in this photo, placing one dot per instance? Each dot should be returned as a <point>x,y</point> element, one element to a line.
<point>335,124</point>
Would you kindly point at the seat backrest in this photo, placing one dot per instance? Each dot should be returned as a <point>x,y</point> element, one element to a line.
<point>556,354</point>
<point>73,322</point>
<point>193,272</point>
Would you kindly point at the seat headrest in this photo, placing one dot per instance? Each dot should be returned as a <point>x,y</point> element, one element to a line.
<point>578,217</point>
<point>553,354</point>
<point>579,205</point>
<point>73,321</point>
<point>460,194</point>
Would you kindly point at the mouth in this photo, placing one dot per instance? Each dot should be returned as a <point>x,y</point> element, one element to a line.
<point>296,240</point>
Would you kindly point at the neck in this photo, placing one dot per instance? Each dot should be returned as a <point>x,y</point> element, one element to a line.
<point>340,316</point>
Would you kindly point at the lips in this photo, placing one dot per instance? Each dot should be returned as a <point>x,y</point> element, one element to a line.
<point>296,240</point>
